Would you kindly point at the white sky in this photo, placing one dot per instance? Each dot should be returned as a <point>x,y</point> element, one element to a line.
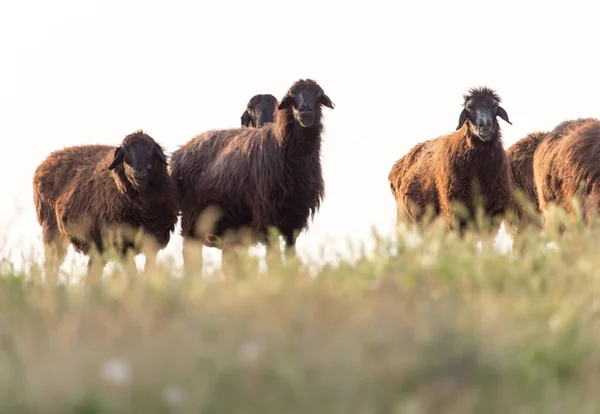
<point>75,71</point>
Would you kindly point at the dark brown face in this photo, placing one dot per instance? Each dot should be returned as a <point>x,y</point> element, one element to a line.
<point>140,156</point>
<point>260,110</point>
<point>481,112</point>
<point>306,100</point>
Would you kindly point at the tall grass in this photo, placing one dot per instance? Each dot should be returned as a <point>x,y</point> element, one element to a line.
<point>427,323</point>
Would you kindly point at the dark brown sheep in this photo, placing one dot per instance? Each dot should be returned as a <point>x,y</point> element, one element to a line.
<point>442,171</point>
<point>566,166</point>
<point>85,194</point>
<point>259,111</point>
<point>257,178</point>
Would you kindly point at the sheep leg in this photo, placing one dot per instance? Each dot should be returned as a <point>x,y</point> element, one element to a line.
<point>273,254</point>
<point>290,241</point>
<point>129,265</point>
<point>290,248</point>
<point>55,250</point>
<point>151,263</point>
<point>228,265</point>
<point>192,255</point>
<point>230,257</point>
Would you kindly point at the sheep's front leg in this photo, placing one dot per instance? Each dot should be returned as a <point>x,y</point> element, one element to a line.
<point>151,264</point>
<point>290,244</point>
<point>228,261</point>
<point>129,265</point>
<point>192,256</point>
<point>273,253</point>
<point>291,258</point>
<point>55,250</point>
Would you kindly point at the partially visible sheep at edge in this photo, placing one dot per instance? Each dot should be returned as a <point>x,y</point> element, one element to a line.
<point>566,167</point>
<point>438,172</point>
<point>259,111</point>
<point>98,196</point>
<point>256,178</point>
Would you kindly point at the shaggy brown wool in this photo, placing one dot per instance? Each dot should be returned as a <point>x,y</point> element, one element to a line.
<point>441,171</point>
<point>257,178</point>
<point>521,162</point>
<point>84,194</point>
<point>566,166</point>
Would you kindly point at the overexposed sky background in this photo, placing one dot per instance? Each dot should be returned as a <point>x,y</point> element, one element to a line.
<point>91,71</point>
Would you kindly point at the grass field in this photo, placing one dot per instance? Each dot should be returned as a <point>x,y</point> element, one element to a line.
<point>419,325</point>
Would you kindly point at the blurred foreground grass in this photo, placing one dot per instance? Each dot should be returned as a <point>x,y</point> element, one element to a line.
<point>426,324</point>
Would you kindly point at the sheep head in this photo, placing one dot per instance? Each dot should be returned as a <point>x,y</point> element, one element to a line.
<point>305,98</point>
<point>140,157</point>
<point>481,107</point>
<point>259,111</point>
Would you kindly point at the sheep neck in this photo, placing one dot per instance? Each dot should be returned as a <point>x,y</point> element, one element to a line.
<point>302,164</point>
<point>298,142</point>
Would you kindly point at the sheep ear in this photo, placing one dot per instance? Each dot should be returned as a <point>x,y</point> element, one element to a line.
<point>502,114</point>
<point>286,102</point>
<point>324,100</point>
<point>463,117</point>
<point>246,119</point>
<point>117,158</point>
<point>160,154</point>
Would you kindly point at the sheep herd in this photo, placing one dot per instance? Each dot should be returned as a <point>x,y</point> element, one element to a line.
<point>235,186</point>
<point>229,187</point>
<point>470,169</point>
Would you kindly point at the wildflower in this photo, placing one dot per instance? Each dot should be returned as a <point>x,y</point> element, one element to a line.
<point>249,352</point>
<point>116,371</point>
<point>556,322</point>
<point>173,396</point>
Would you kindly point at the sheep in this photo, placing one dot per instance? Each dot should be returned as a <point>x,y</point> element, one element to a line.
<point>256,178</point>
<point>441,171</point>
<point>259,111</point>
<point>89,194</point>
<point>566,166</point>
<point>520,155</point>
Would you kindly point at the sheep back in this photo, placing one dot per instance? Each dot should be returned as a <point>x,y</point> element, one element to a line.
<point>239,170</point>
<point>567,158</point>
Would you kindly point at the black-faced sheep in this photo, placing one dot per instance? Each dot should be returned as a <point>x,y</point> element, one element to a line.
<point>442,171</point>
<point>257,178</point>
<point>86,194</point>
<point>259,111</point>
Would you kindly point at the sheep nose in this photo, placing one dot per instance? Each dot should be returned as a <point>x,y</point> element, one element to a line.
<point>484,123</point>
<point>139,176</point>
